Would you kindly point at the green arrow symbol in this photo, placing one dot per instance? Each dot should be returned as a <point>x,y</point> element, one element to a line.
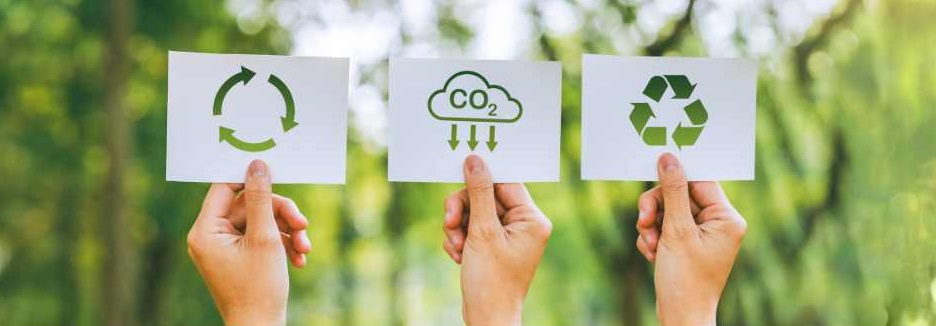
<point>288,121</point>
<point>654,136</point>
<point>696,112</point>
<point>686,136</point>
<point>655,88</point>
<point>453,139</point>
<point>243,76</point>
<point>492,139</point>
<point>640,116</point>
<point>227,135</point>
<point>681,86</point>
<point>472,142</point>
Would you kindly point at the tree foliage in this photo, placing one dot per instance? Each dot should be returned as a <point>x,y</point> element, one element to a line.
<point>840,215</point>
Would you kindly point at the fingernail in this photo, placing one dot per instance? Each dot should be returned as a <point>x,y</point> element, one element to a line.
<point>641,214</point>
<point>669,162</point>
<point>475,164</point>
<point>258,168</point>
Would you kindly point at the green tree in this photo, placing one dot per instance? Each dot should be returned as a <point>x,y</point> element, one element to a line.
<point>89,230</point>
<point>840,215</point>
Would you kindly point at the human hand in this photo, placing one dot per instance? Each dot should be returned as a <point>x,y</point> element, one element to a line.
<point>240,243</point>
<point>701,236</point>
<point>498,235</point>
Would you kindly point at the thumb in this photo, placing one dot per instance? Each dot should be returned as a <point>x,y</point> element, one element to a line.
<point>258,199</point>
<point>675,191</point>
<point>483,213</point>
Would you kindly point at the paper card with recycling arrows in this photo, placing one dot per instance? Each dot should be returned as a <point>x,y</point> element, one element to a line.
<point>440,111</point>
<point>636,108</point>
<point>226,110</point>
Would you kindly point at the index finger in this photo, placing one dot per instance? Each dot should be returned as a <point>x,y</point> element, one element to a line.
<point>454,222</point>
<point>707,193</point>
<point>512,195</point>
<point>219,198</point>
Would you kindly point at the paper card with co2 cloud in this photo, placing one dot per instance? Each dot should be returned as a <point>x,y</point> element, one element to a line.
<point>504,111</point>
<point>636,108</point>
<point>226,110</point>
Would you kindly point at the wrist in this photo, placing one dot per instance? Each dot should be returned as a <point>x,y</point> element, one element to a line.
<point>500,316</point>
<point>513,320</point>
<point>689,320</point>
<point>256,320</point>
<point>701,315</point>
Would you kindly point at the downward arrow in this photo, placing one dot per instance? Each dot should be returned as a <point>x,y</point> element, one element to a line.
<point>696,112</point>
<point>289,120</point>
<point>288,123</point>
<point>453,139</point>
<point>472,142</point>
<point>492,139</point>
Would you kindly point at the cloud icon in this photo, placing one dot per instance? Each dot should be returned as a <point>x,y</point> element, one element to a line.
<point>467,96</point>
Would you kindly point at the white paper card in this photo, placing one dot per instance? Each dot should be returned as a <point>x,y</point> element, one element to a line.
<point>226,110</point>
<point>636,108</point>
<point>507,112</point>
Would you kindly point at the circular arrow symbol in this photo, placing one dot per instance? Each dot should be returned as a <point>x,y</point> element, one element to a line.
<point>227,135</point>
<point>682,135</point>
<point>288,121</point>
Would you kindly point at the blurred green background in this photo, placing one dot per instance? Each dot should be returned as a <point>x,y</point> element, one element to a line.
<point>841,222</point>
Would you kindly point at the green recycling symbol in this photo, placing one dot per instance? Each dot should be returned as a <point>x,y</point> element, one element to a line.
<point>682,135</point>
<point>227,134</point>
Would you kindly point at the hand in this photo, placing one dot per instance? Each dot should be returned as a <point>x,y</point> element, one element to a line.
<point>240,243</point>
<point>498,235</point>
<point>701,235</point>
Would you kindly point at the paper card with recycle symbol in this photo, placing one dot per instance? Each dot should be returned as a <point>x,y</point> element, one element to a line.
<point>636,108</point>
<point>442,110</point>
<point>642,112</point>
<point>225,110</point>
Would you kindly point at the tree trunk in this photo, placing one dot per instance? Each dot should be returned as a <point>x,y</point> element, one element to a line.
<point>633,279</point>
<point>396,226</point>
<point>347,281</point>
<point>67,230</point>
<point>119,267</point>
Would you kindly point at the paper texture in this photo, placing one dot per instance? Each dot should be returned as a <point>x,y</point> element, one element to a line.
<point>507,112</point>
<point>226,110</point>
<point>636,108</point>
